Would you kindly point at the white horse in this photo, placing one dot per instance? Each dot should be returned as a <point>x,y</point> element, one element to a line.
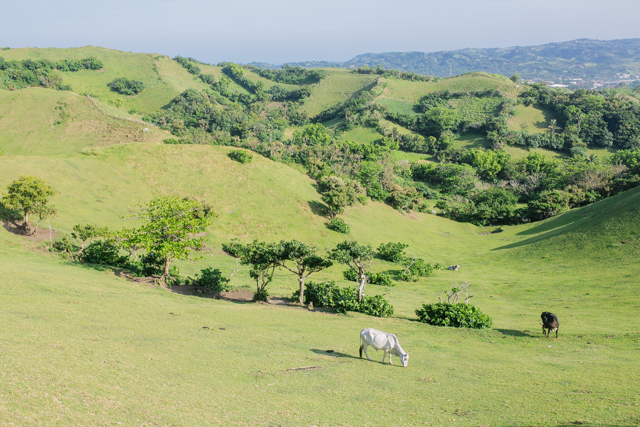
<point>382,341</point>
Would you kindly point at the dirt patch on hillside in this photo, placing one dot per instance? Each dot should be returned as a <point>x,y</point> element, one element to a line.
<point>42,233</point>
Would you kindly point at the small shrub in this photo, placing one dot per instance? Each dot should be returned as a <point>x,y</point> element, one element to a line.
<point>392,252</point>
<point>233,248</point>
<point>65,244</point>
<point>376,306</point>
<point>261,295</point>
<point>458,315</point>
<point>152,264</point>
<point>414,269</point>
<point>92,151</point>
<point>381,279</point>
<point>350,275</point>
<point>211,283</point>
<point>125,86</point>
<point>102,252</point>
<point>321,294</point>
<point>240,156</point>
<point>328,294</point>
<point>337,224</point>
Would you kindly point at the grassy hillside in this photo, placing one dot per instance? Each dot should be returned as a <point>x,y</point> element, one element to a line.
<point>339,86</point>
<point>39,122</point>
<point>84,345</point>
<point>413,90</point>
<point>165,79</point>
<point>531,119</point>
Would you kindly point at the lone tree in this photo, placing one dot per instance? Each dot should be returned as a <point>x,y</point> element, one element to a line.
<point>30,195</point>
<point>263,258</point>
<point>338,194</point>
<point>170,228</point>
<point>305,261</point>
<point>357,257</point>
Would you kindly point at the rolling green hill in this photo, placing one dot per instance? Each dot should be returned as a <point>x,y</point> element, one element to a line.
<point>87,344</point>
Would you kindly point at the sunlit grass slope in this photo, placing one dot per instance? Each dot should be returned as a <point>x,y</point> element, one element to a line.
<point>339,86</point>
<point>38,121</point>
<point>164,78</point>
<point>83,347</point>
<point>532,119</point>
<point>413,90</point>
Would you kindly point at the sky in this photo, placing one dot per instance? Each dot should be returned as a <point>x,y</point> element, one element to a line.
<point>280,31</point>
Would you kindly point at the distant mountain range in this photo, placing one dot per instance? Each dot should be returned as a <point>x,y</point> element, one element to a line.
<point>583,58</point>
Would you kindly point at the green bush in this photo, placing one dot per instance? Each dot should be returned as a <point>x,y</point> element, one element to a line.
<point>233,248</point>
<point>350,275</point>
<point>457,315</point>
<point>211,283</point>
<point>392,252</point>
<point>381,279</point>
<point>414,269</point>
<point>151,264</point>
<point>65,244</point>
<point>103,252</point>
<point>328,294</point>
<point>261,295</point>
<point>376,306</point>
<point>240,156</point>
<point>337,224</point>
<point>125,86</point>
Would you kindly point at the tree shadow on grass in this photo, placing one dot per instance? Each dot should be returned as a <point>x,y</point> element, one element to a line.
<point>333,353</point>
<point>318,208</point>
<point>516,333</point>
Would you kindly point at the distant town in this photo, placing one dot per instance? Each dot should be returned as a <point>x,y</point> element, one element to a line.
<point>588,83</point>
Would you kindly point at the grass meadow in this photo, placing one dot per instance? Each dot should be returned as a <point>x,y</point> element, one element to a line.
<point>82,344</point>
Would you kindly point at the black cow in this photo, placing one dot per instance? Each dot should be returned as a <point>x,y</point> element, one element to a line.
<point>549,323</point>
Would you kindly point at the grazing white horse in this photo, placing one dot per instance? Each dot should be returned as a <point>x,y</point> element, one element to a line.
<point>382,341</point>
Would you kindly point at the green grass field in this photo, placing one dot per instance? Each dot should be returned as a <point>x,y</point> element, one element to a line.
<point>83,345</point>
<point>413,91</point>
<point>532,119</point>
<point>339,86</point>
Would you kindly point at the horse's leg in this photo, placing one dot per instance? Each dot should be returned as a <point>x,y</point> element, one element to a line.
<point>390,362</point>
<point>384,354</point>
<point>365,350</point>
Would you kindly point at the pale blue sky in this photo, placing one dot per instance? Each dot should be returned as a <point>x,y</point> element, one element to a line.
<point>298,30</point>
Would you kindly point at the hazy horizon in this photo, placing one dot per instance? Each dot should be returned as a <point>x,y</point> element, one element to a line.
<point>283,31</point>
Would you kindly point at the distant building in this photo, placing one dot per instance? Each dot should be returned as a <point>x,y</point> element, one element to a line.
<point>558,85</point>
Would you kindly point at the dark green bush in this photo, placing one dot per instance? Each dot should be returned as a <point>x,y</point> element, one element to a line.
<point>233,248</point>
<point>103,252</point>
<point>350,275</point>
<point>416,268</point>
<point>125,86</point>
<point>381,279</point>
<point>240,156</point>
<point>151,264</point>
<point>328,294</point>
<point>211,283</point>
<point>376,306</point>
<point>261,295</point>
<point>392,252</point>
<point>65,244</point>
<point>337,224</point>
<point>457,315</point>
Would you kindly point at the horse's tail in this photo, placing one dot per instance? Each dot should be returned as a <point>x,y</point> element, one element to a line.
<point>361,347</point>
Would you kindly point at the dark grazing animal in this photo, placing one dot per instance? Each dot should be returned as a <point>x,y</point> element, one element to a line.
<point>549,323</point>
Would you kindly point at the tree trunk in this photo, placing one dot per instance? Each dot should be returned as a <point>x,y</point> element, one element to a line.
<point>301,281</point>
<point>25,222</point>
<point>363,282</point>
<point>167,263</point>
